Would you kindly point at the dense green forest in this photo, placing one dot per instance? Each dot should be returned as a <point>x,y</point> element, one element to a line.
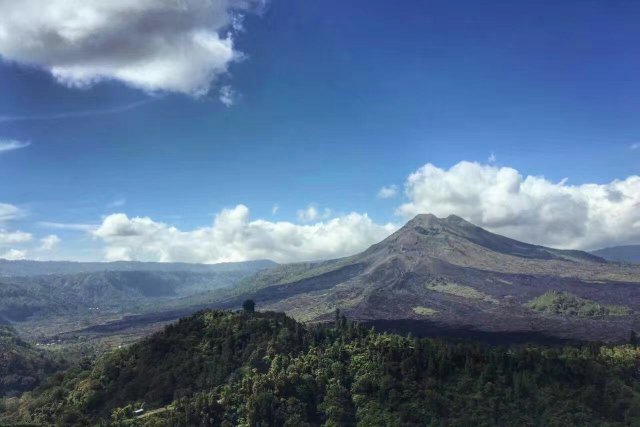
<point>264,369</point>
<point>22,367</point>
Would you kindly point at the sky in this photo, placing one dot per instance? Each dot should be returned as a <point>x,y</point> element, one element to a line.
<point>212,131</point>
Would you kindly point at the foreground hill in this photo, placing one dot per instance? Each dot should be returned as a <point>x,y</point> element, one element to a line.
<point>445,275</point>
<point>629,254</point>
<point>227,369</point>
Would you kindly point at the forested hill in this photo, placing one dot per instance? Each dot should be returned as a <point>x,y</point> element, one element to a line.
<point>22,366</point>
<point>265,369</point>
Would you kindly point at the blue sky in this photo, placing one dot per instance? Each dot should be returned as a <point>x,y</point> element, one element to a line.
<point>331,102</point>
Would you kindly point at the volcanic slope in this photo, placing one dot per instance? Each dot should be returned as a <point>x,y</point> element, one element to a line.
<point>439,276</point>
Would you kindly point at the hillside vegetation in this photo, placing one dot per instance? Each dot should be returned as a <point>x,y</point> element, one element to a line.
<point>22,367</point>
<point>567,304</point>
<point>265,369</point>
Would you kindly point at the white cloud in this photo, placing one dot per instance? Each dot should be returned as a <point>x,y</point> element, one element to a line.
<point>11,144</point>
<point>635,146</point>
<point>10,212</point>
<point>492,158</point>
<point>11,237</point>
<point>14,255</point>
<point>275,209</point>
<point>388,192</point>
<point>235,237</point>
<point>227,95</point>
<point>155,45</point>
<point>529,208</point>
<point>49,243</point>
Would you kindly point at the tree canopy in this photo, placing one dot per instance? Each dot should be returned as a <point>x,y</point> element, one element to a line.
<point>265,369</point>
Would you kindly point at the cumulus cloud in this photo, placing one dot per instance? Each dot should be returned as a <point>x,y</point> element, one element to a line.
<point>14,255</point>
<point>529,208</point>
<point>11,144</point>
<point>9,212</point>
<point>49,242</point>
<point>234,236</point>
<point>388,192</point>
<point>155,45</point>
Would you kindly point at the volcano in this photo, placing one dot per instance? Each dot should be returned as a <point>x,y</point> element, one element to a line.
<point>439,276</point>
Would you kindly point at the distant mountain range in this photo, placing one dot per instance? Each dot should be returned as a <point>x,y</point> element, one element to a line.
<point>37,268</point>
<point>628,254</point>
<point>439,276</point>
<point>43,299</point>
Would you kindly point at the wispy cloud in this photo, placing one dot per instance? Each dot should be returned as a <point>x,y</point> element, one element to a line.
<point>67,226</point>
<point>117,203</point>
<point>635,146</point>
<point>10,212</point>
<point>75,114</point>
<point>311,213</point>
<point>227,95</point>
<point>12,144</point>
<point>10,237</point>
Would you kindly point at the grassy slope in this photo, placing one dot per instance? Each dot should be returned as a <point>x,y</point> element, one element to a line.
<point>567,304</point>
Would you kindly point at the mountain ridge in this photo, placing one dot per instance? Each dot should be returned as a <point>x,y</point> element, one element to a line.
<point>38,268</point>
<point>625,253</point>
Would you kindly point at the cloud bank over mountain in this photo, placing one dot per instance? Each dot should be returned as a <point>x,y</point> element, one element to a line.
<point>234,236</point>
<point>529,208</point>
<point>154,45</point>
<point>501,199</point>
